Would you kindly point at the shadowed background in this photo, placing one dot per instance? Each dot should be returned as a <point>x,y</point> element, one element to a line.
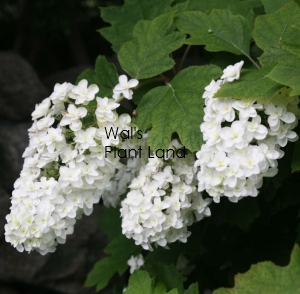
<point>42,43</point>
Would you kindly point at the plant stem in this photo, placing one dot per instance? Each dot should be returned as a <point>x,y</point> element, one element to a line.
<point>255,64</point>
<point>184,57</point>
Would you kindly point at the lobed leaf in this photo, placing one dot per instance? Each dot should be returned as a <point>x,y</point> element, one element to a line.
<point>217,31</point>
<point>124,18</point>
<point>105,76</point>
<point>147,55</point>
<point>273,30</point>
<point>176,107</point>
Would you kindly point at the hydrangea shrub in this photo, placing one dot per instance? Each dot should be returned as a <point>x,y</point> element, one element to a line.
<point>191,164</point>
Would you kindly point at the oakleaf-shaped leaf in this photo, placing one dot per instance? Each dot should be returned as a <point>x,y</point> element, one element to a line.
<point>124,18</point>
<point>268,278</point>
<point>219,31</point>
<point>273,30</point>
<point>147,55</point>
<point>177,107</point>
<point>253,84</point>
<point>105,77</point>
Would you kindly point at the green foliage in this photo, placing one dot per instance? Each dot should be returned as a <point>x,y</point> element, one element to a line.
<point>120,250</point>
<point>140,282</point>
<point>266,277</point>
<point>176,107</point>
<point>207,6</point>
<point>272,56</point>
<point>252,84</point>
<point>169,276</point>
<point>273,30</point>
<point>282,45</point>
<point>214,31</point>
<point>271,6</point>
<point>105,77</point>
<point>193,289</point>
<point>124,18</point>
<point>245,8</point>
<point>288,73</point>
<point>147,55</point>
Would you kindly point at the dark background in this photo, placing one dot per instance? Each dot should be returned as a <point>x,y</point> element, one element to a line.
<point>42,43</point>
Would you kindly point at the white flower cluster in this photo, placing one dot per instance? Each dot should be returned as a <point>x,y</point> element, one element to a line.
<point>242,140</point>
<point>163,201</point>
<point>126,173</point>
<point>65,168</point>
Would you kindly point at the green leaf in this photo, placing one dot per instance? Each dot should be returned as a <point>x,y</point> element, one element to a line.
<point>193,289</point>
<point>293,44</point>
<point>245,8</point>
<point>105,77</point>
<point>120,250</point>
<point>266,277</point>
<point>124,18</point>
<point>217,31</point>
<point>271,6</point>
<point>141,283</point>
<point>279,36</point>
<point>144,87</point>
<point>147,55</point>
<point>253,84</point>
<point>176,107</point>
<point>288,73</point>
<point>273,30</point>
<point>168,275</point>
<point>272,56</point>
<point>207,6</point>
<point>296,158</point>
